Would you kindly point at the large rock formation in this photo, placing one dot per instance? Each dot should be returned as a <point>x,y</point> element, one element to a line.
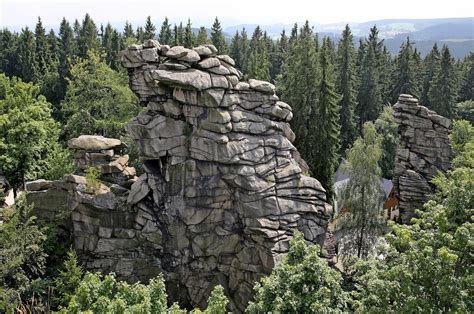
<point>223,188</point>
<point>424,149</point>
<point>222,175</point>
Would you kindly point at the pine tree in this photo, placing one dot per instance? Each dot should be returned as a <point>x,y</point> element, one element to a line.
<point>385,75</point>
<point>443,91</point>
<point>140,34</point>
<point>467,82</point>
<point>189,37</point>
<point>202,36</point>
<point>41,47</point>
<point>128,30</point>
<point>87,37</point>
<point>217,37</point>
<point>299,82</point>
<point>244,48</point>
<point>431,63</point>
<point>369,98</point>
<point>405,75</point>
<point>9,53</point>
<point>258,64</point>
<point>293,35</point>
<point>325,139</point>
<point>149,29</point>
<point>235,49</point>
<point>65,56</point>
<point>362,195</point>
<point>114,54</point>
<point>345,86</point>
<point>107,42</point>
<point>280,53</point>
<point>52,46</point>
<point>178,34</point>
<point>28,65</point>
<point>165,33</point>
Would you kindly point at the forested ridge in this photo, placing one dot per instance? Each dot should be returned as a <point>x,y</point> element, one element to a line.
<point>54,87</point>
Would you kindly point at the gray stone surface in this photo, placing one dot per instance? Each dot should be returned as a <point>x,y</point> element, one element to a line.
<point>219,175</point>
<point>424,149</point>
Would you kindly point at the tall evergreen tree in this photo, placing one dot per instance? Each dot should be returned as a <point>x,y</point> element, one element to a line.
<point>345,86</point>
<point>165,37</point>
<point>298,83</point>
<point>41,52</point>
<point>189,38</point>
<point>28,66</point>
<point>443,91</point>
<point>178,34</point>
<point>140,34</point>
<point>235,50</point>
<point>405,75</point>
<point>369,98</point>
<point>52,46</point>
<point>9,53</point>
<point>258,64</point>
<point>293,35</point>
<point>244,48</point>
<point>149,29</point>
<point>107,42</point>
<point>128,30</point>
<point>431,63</point>
<point>202,36</point>
<point>325,139</point>
<point>281,51</point>
<point>65,56</point>
<point>467,79</point>
<point>217,37</point>
<point>87,37</point>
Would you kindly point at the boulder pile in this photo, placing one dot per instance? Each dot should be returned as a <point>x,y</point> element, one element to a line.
<point>221,172</point>
<point>424,149</point>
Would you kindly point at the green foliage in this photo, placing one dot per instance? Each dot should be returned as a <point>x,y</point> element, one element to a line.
<point>461,134</point>
<point>388,130</point>
<point>363,195</point>
<point>443,88</point>
<point>98,100</point>
<point>465,110</point>
<point>216,304</point>
<point>149,29</point>
<point>28,134</point>
<point>405,75</point>
<point>345,86</point>
<point>302,283</point>
<point>257,64</point>
<point>92,179</point>
<point>202,36</point>
<point>165,33</point>
<point>60,163</point>
<point>68,279</point>
<point>217,37</point>
<point>427,266</point>
<point>22,258</point>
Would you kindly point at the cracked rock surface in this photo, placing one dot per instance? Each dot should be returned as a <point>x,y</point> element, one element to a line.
<point>423,150</point>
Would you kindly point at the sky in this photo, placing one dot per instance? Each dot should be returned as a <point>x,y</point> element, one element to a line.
<point>233,12</point>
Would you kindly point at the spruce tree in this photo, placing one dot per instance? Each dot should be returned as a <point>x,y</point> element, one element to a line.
<point>52,47</point>
<point>405,75</point>
<point>9,53</point>
<point>41,47</point>
<point>128,30</point>
<point>217,37</point>
<point>202,36</point>
<point>325,139</point>
<point>115,48</point>
<point>28,66</point>
<point>140,34</point>
<point>281,50</point>
<point>443,90</point>
<point>178,34</point>
<point>149,29</point>
<point>87,37</point>
<point>107,42</point>
<point>369,98</point>
<point>293,35</point>
<point>258,64</point>
<point>345,86</point>
<point>298,84</point>
<point>431,64</point>
<point>165,37</point>
<point>467,79</point>
<point>244,48</point>
<point>65,56</point>
<point>189,37</point>
<point>235,49</point>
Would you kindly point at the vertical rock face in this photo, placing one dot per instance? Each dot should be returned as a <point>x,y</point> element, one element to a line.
<point>424,149</point>
<point>222,176</point>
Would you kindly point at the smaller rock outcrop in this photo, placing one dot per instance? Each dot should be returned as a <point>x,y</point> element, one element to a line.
<point>424,149</point>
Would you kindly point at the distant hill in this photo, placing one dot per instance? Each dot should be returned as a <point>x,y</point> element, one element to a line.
<point>457,33</point>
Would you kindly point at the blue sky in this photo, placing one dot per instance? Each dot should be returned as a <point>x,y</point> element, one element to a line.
<point>202,12</point>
